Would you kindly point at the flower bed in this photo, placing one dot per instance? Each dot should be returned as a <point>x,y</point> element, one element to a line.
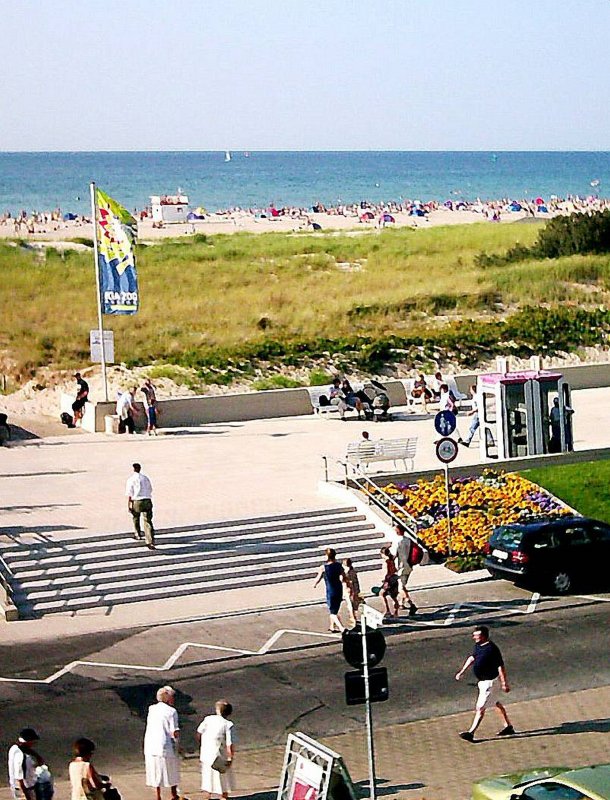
<point>477,505</point>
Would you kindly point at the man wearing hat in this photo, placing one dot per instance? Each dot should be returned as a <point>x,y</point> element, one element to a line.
<point>22,763</point>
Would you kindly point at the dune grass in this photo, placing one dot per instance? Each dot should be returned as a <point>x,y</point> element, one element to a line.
<point>211,298</point>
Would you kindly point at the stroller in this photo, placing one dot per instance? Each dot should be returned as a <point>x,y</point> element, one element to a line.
<point>377,403</point>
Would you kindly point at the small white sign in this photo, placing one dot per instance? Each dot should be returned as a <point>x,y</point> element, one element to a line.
<point>372,617</point>
<point>95,343</point>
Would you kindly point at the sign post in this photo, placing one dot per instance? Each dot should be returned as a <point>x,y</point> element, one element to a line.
<point>445,423</point>
<point>372,619</point>
<point>94,216</point>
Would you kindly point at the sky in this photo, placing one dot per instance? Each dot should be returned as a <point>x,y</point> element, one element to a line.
<point>304,75</point>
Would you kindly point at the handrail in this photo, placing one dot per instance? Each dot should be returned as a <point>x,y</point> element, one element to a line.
<point>5,579</point>
<point>408,522</point>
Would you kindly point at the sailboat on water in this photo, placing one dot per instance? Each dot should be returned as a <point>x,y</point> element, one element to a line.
<point>227,155</point>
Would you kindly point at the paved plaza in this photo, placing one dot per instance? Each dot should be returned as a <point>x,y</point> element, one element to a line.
<point>71,486</point>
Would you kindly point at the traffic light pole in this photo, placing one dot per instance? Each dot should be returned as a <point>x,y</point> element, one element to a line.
<point>369,712</point>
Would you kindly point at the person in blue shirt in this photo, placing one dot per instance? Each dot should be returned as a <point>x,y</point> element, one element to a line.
<point>488,667</point>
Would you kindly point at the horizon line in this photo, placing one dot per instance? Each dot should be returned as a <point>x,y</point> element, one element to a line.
<point>250,150</point>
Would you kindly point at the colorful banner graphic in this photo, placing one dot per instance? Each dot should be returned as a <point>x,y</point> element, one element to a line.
<point>116,232</point>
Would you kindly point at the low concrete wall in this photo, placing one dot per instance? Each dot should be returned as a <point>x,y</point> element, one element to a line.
<point>200,409</point>
<point>579,376</point>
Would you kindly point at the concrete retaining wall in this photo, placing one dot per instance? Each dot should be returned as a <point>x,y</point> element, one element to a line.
<point>198,410</point>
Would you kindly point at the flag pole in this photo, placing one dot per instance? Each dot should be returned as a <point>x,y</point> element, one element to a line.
<point>94,213</point>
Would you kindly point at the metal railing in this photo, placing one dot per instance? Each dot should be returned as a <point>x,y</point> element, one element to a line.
<point>374,495</point>
<point>6,574</point>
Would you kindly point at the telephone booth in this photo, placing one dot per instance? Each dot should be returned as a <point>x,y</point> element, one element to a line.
<point>523,414</point>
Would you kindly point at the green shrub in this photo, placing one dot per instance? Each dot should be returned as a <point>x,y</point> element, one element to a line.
<point>276,382</point>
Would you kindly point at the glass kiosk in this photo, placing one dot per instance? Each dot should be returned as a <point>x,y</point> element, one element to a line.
<point>524,414</point>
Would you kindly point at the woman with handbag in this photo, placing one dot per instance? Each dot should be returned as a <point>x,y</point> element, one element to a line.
<point>86,782</point>
<point>217,750</point>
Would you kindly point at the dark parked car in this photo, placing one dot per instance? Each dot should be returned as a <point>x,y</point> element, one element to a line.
<point>553,554</point>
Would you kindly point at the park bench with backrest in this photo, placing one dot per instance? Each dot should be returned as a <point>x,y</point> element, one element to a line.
<point>361,454</point>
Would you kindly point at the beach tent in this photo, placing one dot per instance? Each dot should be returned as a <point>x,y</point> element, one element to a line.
<point>367,215</point>
<point>417,212</point>
<point>387,218</point>
<point>539,201</point>
<point>69,217</point>
<point>542,209</point>
<point>514,206</point>
<point>316,226</point>
<point>191,217</point>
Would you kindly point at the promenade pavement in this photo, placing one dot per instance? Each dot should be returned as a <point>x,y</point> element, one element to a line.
<point>73,485</point>
<point>423,760</point>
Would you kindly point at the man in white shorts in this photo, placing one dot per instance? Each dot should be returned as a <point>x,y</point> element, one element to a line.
<point>488,666</point>
<point>161,744</point>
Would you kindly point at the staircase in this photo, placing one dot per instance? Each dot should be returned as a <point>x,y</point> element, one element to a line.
<point>109,569</point>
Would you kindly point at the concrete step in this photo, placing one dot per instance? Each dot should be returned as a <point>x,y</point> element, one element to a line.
<point>149,563</point>
<point>111,598</point>
<point>129,549</point>
<point>303,567</point>
<point>205,530</point>
<point>87,572</point>
<point>28,554</point>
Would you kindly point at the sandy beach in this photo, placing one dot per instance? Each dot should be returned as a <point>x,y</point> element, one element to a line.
<point>243,222</point>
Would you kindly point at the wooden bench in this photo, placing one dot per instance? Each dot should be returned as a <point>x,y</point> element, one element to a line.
<point>361,454</point>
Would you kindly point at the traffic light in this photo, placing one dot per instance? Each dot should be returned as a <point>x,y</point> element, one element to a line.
<point>352,646</point>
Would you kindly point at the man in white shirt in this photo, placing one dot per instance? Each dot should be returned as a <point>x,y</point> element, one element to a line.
<point>161,744</point>
<point>139,502</point>
<point>22,763</point>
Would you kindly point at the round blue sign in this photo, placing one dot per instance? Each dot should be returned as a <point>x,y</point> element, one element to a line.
<point>445,423</point>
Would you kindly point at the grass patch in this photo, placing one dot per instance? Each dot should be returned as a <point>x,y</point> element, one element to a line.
<point>584,487</point>
<point>216,304</point>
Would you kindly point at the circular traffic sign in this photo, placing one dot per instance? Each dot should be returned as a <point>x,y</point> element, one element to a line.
<point>446,450</point>
<point>445,422</point>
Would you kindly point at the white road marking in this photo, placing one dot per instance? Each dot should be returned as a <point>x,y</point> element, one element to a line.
<point>452,613</point>
<point>171,661</point>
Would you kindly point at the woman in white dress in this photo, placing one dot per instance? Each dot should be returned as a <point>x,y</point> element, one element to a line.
<point>216,736</point>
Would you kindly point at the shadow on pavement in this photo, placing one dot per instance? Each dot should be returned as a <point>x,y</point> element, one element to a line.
<point>391,788</point>
<point>577,726</point>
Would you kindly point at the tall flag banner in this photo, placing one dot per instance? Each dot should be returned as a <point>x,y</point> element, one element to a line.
<point>115,231</point>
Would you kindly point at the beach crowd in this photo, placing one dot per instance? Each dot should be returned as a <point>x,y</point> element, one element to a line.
<point>379,214</point>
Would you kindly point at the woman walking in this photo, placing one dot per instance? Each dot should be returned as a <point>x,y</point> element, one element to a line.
<point>334,578</point>
<point>217,751</point>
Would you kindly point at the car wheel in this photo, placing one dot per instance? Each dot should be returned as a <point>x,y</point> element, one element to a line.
<point>561,582</point>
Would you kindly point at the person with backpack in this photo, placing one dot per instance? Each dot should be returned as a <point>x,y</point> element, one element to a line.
<point>408,554</point>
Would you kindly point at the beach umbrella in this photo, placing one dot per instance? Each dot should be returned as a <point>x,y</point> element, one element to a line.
<point>539,201</point>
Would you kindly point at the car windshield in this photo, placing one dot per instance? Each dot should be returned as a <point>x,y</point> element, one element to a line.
<point>507,537</point>
<point>553,791</point>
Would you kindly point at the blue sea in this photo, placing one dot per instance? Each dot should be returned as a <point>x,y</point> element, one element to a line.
<point>43,181</point>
